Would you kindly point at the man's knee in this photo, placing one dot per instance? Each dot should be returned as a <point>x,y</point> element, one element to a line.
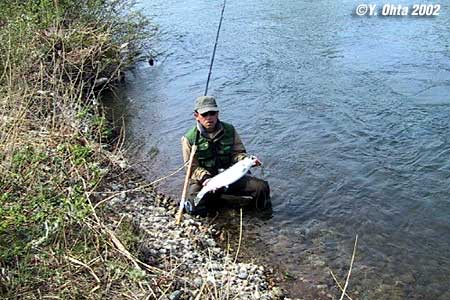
<point>263,186</point>
<point>259,186</point>
<point>201,207</point>
<point>261,193</point>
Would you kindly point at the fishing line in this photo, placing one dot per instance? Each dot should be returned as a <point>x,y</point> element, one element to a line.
<point>215,47</point>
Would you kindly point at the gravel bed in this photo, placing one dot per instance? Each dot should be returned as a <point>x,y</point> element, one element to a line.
<point>195,266</point>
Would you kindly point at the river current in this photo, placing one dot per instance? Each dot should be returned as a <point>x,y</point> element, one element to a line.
<point>350,116</point>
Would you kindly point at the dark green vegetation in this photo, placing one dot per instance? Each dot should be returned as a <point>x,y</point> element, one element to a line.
<point>56,147</point>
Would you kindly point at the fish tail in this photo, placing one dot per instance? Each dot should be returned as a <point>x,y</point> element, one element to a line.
<point>198,198</point>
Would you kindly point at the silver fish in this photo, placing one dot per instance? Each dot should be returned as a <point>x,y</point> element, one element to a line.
<point>227,177</point>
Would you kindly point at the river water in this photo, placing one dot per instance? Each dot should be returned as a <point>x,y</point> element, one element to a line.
<point>350,116</point>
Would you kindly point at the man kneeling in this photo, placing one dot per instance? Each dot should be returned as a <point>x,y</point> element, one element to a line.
<point>218,147</point>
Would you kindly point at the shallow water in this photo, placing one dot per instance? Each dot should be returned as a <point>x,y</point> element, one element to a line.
<point>350,116</point>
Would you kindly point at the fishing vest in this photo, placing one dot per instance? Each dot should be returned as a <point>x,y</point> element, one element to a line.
<point>213,154</point>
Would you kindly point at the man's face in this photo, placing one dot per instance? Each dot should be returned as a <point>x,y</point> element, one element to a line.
<point>207,119</point>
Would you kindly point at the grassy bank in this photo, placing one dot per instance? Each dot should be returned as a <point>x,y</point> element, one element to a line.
<point>56,148</point>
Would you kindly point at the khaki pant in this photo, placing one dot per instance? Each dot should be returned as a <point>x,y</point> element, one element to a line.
<point>256,190</point>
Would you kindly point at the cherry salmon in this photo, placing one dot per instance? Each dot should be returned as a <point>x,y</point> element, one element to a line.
<point>227,177</point>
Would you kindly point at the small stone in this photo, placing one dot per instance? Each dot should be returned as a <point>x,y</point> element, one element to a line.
<point>318,263</point>
<point>215,267</point>
<point>211,243</point>
<point>198,282</point>
<point>115,200</point>
<point>175,295</point>
<point>210,278</point>
<point>277,292</point>
<point>243,275</point>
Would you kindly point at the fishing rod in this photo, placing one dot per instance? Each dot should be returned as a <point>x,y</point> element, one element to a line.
<point>179,215</point>
<point>215,47</point>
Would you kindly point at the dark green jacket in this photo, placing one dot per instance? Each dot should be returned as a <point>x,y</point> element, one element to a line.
<point>219,152</point>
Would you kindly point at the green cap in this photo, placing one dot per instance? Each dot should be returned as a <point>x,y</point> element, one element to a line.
<point>205,103</point>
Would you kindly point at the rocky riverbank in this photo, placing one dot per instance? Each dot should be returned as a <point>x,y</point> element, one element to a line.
<point>191,264</point>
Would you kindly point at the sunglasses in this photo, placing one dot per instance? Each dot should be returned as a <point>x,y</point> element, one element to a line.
<point>209,113</point>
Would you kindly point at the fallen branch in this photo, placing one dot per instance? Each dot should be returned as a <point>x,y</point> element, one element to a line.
<point>350,269</point>
<point>121,248</point>
<point>240,238</point>
<point>338,284</point>
<point>80,263</point>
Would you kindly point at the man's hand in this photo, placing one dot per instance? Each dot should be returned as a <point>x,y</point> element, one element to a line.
<point>206,181</point>
<point>257,162</point>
